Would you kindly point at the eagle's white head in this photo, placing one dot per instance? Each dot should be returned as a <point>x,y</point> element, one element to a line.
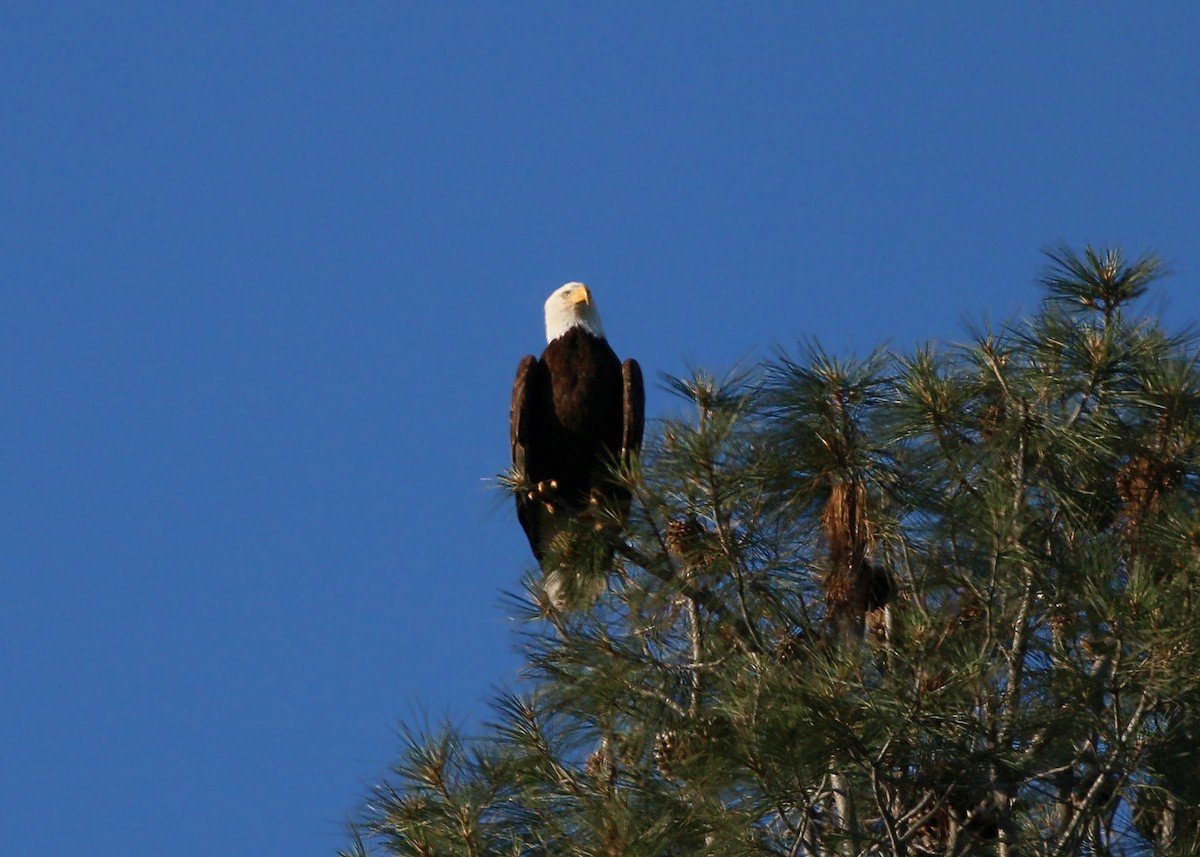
<point>572,306</point>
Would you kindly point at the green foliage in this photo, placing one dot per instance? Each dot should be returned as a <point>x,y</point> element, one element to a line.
<point>937,603</point>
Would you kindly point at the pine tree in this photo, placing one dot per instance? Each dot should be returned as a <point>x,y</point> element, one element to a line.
<point>938,603</point>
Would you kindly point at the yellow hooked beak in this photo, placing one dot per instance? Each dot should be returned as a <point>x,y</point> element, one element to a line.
<point>581,295</point>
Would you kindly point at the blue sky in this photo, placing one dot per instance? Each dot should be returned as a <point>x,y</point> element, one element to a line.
<point>267,269</point>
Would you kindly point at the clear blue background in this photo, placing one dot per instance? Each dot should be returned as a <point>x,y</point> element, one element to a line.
<point>266,270</point>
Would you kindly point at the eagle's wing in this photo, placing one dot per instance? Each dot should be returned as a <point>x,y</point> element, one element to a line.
<point>633,410</point>
<point>520,432</point>
<point>519,429</point>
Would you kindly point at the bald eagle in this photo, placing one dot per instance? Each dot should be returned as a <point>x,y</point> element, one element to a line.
<point>576,411</point>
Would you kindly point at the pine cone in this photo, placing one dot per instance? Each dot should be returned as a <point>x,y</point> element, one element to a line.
<point>666,751</point>
<point>600,765</point>
<point>685,539</point>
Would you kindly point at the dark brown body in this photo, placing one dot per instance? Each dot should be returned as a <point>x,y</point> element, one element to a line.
<point>574,411</point>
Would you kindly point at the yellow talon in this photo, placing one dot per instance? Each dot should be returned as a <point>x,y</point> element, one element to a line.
<point>545,492</point>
